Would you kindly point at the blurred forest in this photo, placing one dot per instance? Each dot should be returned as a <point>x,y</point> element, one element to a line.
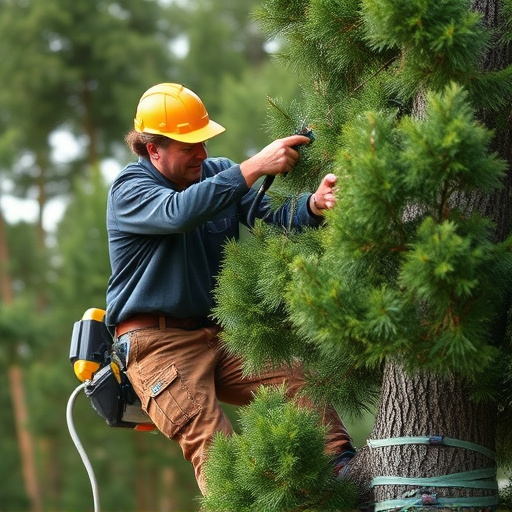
<point>71,74</point>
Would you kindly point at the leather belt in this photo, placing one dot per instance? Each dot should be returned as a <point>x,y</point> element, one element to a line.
<point>145,321</point>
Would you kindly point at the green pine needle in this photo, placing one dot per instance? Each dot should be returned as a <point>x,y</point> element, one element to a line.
<point>276,464</point>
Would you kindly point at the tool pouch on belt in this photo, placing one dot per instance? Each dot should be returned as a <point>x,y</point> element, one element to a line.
<point>112,397</point>
<point>107,386</point>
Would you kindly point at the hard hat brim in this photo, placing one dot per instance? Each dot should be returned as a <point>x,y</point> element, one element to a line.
<point>212,129</point>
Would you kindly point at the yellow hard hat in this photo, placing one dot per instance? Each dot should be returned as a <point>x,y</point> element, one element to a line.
<point>176,112</point>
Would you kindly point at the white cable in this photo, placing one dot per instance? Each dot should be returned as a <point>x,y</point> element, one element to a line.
<point>80,448</point>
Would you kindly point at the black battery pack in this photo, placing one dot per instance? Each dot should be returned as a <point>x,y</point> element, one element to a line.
<point>108,388</point>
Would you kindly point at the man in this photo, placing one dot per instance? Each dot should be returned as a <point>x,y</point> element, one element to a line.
<point>168,216</point>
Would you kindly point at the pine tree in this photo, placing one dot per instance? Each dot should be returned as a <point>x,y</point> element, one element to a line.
<point>404,294</point>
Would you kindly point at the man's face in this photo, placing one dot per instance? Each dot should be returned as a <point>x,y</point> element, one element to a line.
<point>180,162</point>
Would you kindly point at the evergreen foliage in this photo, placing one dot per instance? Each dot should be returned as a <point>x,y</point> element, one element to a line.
<point>435,40</point>
<point>407,266</point>
<point>430,273</point>
<point>252,295</point>
<point>81,67</point>
<point>277,462</point>
<point>252,292</point>
<point>398,263</point>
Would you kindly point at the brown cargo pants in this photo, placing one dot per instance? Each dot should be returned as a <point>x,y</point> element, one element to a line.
<point>181,376</point>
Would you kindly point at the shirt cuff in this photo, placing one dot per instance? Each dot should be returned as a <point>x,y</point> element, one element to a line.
<point>310,211</point>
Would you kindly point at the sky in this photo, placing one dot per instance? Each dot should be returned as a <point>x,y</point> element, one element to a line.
<point>17,210</point>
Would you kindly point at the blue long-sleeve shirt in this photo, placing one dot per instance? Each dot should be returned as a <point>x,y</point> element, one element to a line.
<point>166,245</point>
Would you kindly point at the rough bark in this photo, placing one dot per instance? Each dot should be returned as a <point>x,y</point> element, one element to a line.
<point>499,56</point>
<point>425,405</point>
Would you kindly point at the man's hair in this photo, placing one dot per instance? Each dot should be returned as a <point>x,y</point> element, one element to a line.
<point>137,141</point>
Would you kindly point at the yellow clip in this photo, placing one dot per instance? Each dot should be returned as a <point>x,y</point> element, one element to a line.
<point>94,314</point>
<point>116,372</point>
<point>84,370</point>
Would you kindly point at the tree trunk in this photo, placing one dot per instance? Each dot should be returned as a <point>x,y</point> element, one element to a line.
<point>25,439</point>
<point>498,57</point>
<point>422,406</point>
<point>167,502</point>
<point>50,479</point>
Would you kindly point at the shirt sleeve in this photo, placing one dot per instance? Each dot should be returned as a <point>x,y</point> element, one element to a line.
<point>293,214</point>
<point>142,205</point>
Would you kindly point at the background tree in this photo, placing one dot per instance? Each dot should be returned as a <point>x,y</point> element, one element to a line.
<point>221,40</point>
<point>71,76</point>
<point>408,285</point>
<point>56,63</point>
<point>74,67</point>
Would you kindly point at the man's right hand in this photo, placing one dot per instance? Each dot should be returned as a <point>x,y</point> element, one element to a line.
<point>278,157</point>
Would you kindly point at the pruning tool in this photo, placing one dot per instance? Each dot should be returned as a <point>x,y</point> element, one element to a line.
<point>303,129</point>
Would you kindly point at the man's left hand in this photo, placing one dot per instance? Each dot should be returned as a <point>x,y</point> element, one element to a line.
<point>325,196</point>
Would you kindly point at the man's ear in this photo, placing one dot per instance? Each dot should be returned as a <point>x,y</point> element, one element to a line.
<point>152,150</point>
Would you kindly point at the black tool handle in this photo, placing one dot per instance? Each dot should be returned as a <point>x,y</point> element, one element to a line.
<point>251,216</point>
<point>269,179</point>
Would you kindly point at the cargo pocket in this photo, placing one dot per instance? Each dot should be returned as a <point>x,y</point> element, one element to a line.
<point>168,402</point>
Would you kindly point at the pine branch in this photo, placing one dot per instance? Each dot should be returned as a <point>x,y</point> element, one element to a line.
<point>276,464</point>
